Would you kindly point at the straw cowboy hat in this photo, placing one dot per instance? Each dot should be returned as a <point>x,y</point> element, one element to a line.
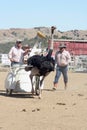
<point>18,41</point>
<point>25,46</point>
<point>62,45</point>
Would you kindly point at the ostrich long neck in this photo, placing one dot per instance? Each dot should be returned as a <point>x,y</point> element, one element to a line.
<point>51,47</point>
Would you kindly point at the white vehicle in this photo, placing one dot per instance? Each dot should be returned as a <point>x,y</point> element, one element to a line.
<point>18,80</point>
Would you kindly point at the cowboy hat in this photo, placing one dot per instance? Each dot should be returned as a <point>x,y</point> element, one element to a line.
<point>62,45</point>
<point>18,41</point>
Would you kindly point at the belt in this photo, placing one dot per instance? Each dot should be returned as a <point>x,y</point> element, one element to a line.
<point>15,62</point>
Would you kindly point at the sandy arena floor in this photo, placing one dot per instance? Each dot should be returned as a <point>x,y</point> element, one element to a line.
<point>57,110</point>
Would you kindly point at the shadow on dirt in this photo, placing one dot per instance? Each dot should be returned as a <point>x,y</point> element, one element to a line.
<point>16,95</point>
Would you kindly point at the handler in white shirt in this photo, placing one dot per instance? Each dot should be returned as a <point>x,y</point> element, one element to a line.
<point>16,53</point>
<point>62,59</point>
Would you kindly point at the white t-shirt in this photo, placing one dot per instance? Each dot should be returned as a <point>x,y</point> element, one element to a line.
<point>16,54</point>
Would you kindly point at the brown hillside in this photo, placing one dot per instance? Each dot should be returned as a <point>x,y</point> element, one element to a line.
<point>10,35</point>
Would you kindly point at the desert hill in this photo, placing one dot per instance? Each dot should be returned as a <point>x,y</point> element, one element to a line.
<point>10,35</point>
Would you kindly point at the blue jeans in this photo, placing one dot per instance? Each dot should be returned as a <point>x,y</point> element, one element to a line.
<point>60,70</point>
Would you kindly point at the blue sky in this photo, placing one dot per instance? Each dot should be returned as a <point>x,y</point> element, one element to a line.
<point>64,14</point>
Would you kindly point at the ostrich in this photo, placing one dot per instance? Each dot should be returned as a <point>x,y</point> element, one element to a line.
<point>41,65</point>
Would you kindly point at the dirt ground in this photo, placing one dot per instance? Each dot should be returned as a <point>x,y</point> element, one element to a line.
<point>57,110</point>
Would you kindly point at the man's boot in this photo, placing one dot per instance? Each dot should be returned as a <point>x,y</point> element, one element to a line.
<point>55,86</point>
<point>65,86</point>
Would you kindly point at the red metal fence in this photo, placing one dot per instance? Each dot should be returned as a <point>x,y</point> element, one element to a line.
<point>77,47</point>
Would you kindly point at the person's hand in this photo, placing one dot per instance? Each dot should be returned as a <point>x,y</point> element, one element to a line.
<point>11,60</point>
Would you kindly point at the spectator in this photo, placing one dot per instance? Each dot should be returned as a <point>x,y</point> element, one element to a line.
<point>62,59</point>
<point>24,47</point>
